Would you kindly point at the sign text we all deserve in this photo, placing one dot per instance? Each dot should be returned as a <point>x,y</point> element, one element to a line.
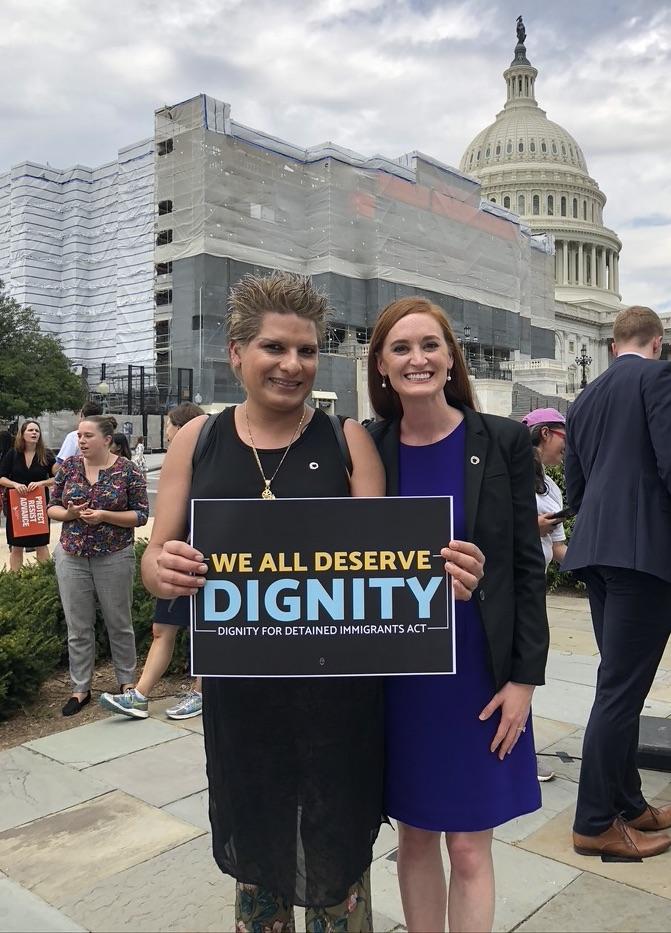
<point>306,598</point>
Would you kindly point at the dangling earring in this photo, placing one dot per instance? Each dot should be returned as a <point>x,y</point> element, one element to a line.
<point>449,376</point>
<point>384,383</point>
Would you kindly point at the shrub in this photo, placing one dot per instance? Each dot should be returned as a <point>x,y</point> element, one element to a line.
<point>33,633</point>
<point>555,576</point>
<point>27,657</point>
<point>31,643</point>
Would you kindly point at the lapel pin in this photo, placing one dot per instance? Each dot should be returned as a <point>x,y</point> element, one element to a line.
<point>475,460</point>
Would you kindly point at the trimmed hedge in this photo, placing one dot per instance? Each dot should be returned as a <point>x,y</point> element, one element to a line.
<point>33,634</point>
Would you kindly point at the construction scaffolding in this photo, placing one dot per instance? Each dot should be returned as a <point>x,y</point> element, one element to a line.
<point>231,200</point>
<point>77,246</point>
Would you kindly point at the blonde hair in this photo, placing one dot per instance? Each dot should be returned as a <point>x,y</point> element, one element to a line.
<point>281,292</point>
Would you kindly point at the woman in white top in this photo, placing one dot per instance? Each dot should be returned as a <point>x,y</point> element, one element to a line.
<point>548,436</point>
<point>138,456</point>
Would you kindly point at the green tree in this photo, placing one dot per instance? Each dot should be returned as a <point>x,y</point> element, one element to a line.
<point>35,373</point>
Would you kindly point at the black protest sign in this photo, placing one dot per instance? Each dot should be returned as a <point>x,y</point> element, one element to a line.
<point>322,587</point>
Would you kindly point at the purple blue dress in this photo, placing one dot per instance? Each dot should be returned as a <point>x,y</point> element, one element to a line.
<point>440,773</point>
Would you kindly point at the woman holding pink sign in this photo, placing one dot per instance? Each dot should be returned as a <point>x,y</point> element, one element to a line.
<point>26,467</point>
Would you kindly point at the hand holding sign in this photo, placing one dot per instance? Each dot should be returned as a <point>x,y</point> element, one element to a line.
<point>180,570</point>
<point>465,563</point>
<point>28,512</point>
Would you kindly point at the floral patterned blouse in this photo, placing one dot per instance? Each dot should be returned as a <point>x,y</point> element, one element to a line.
<point>119,488</point>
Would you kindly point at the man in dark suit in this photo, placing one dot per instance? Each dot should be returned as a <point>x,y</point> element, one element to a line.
<point>618,478</point>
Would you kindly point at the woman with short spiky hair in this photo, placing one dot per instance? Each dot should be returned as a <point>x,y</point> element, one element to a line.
<point>294,765</point>
<point>292,819</point>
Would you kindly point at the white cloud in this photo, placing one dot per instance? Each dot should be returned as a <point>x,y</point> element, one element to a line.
<point>382,76</point>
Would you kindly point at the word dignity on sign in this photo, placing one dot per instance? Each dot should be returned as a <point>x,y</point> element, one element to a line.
<point>328,582</point>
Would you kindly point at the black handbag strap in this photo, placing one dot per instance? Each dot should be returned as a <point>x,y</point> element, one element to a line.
<point>203,438</point>
<point>337,422</point>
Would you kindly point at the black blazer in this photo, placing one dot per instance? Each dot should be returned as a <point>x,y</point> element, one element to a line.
<point>502,520</point>
<point>618,469</point>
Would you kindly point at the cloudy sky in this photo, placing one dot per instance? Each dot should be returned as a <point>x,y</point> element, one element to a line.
<point>82,78</point>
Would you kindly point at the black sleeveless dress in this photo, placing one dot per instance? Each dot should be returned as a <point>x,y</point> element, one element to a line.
<point>294,766</point>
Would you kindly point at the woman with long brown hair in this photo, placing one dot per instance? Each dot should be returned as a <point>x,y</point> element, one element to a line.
<point>28,465</point>
<point>459,748</point>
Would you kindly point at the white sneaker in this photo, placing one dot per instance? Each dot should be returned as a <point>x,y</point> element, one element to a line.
<point>544,772</point>
<point>128,703</point>
<point>190,705</point>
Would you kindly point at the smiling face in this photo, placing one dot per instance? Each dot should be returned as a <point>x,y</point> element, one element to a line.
<point>278,366</point>
<point>93,444</point>
<point>415,357</point>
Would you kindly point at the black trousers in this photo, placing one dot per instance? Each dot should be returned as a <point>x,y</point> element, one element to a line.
<point>631,614</point>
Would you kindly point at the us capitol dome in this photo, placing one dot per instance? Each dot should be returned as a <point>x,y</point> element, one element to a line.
<point>534,167</point>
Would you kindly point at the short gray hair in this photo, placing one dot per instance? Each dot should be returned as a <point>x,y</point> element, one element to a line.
<point>281,292</point>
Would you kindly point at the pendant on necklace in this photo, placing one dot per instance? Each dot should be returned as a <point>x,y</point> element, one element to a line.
<point>267,492</point>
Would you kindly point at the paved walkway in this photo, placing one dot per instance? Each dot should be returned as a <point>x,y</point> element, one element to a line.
<point>104,827</point>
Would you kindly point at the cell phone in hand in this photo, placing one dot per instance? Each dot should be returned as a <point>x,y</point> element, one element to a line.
<point>565,513</point>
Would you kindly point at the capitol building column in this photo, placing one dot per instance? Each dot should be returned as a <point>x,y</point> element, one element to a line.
<point>616,273</point>
<point>592,270</point>
<point>564,275</point>
<point>611,280</point>
<point>581,274</point>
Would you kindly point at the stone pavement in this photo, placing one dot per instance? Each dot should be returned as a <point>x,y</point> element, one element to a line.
<point>104,827</point>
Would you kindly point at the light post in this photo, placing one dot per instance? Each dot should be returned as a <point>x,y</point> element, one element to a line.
<point>103,388</point>
<point>464,346</point>
<point>583,361</point>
